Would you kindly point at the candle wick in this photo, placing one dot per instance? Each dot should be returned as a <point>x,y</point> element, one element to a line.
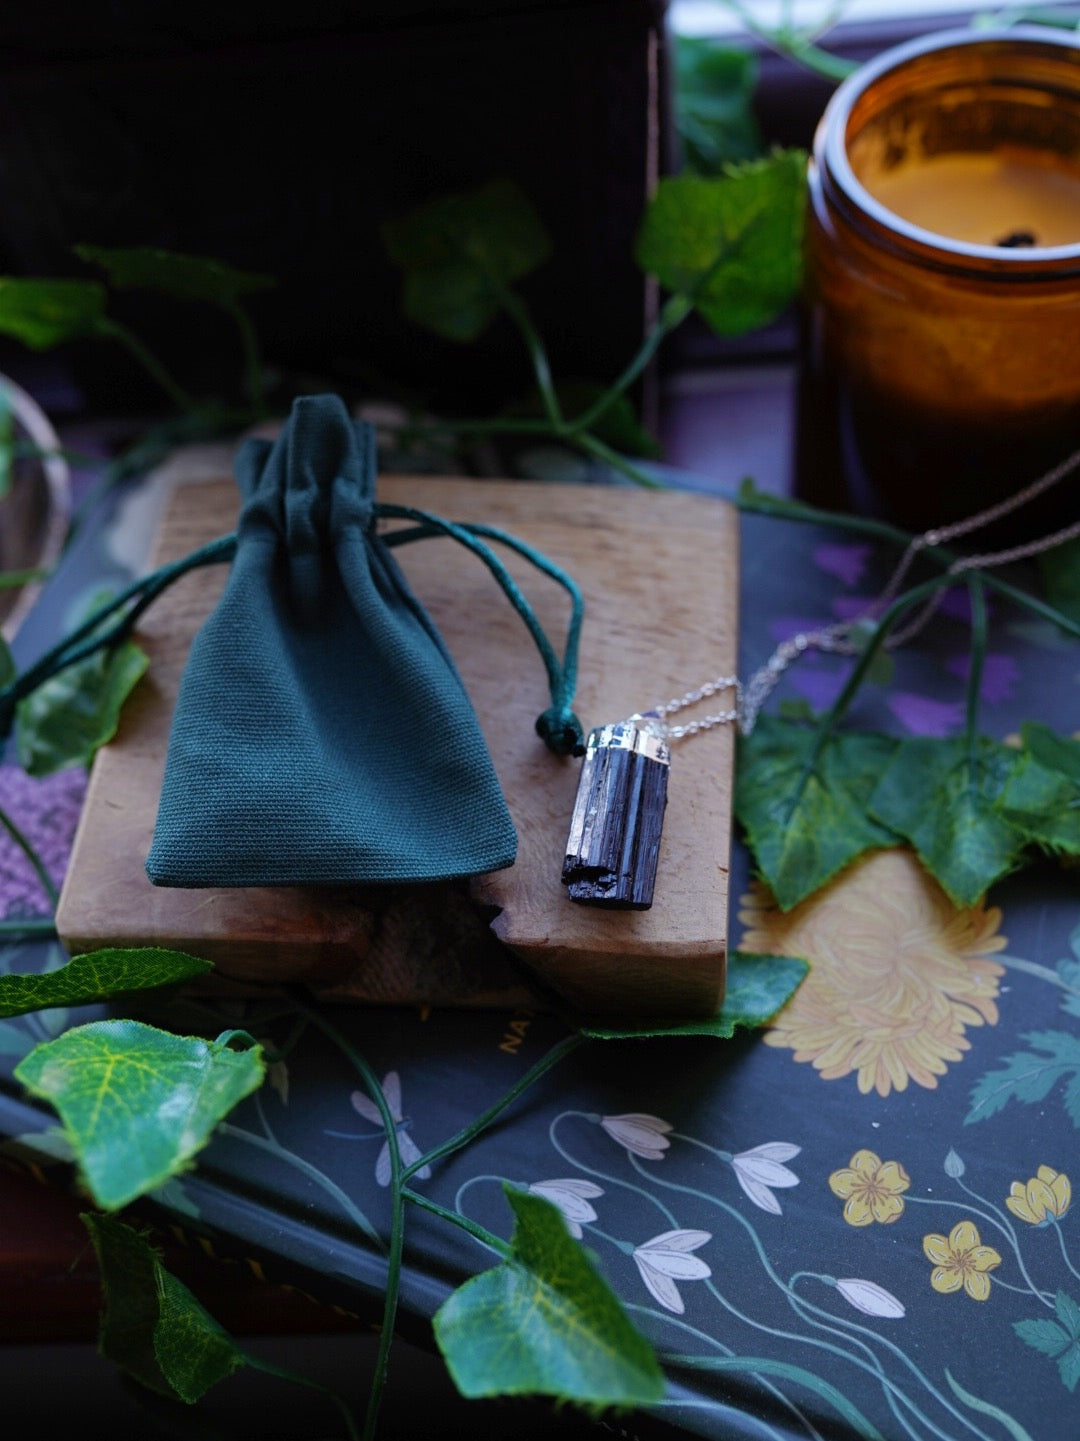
<point>1017,240</point>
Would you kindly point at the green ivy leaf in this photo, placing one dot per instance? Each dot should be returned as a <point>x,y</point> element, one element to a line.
<point>757,986</point>
<point>545,1322</point>
<point>153,1327</point>
<point>945,802</point>
<point>737,237</point>
<point>714,112</point>
<point>136,1102</point>
<point>44,313</point>
<point>805,824</point>
<point>1030,1076</point>
<point>184,277</point>
<point>460,251</point>
<point>1041,797</point>
<point>96,976</point>
<point>70,716</point>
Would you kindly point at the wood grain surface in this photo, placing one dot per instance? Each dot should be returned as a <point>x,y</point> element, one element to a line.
<point>659,572</point>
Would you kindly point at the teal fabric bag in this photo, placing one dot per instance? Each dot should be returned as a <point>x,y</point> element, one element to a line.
<point>322,734</point>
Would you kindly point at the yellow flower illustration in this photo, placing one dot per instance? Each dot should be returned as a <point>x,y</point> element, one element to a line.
<point>961,1260</point>
<point>871,1189</point>
<point>1045,1195</point>
<point>897,973</point>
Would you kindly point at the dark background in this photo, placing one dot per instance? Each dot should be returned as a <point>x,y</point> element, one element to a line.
<point>280,141</point>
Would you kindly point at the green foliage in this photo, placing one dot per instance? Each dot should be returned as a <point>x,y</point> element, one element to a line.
<point>7,663</point>
<point>98,976</point>
<point>617,424</point>
<point>460,252</point>
<point>1041,796</point>
<point>803,803</point>
<point>184,277</point>
<point>137,1103</point>
<point>732,243</point>
<point>756,988</point>
<point>942,796</point>
<point>1030,1076</point>
<point>70,716</point>
<point>545,1323</point>
<point>714,116</point>
<point>44,313</point>
<point>153,1327</point>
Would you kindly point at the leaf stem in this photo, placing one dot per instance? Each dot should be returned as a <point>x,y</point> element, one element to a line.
<point>975,669</point>
<point>12,579</point>
<point>672,314</point>
<point>481,1233</point>
<point>597,448</point>
<point>474,1128</point>
<point>282,1373</point>
<point>31,929</point>
<point>862,665</point>
<point>32,856</point>
<point>345,1201</point>
<point>150,363</point>
<point>253,376</point>
<point>1033,603</point>
<point>397,1212</point>
<point>515,308</point>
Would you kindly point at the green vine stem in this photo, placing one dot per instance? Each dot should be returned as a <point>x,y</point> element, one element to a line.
<point>113,330</point>
<point>480,1233</point>
<point>977,593</point>
<point>31,929</point>
<point>283,1374</point>
<point>515,308</point>
<point>468,1133</point>
<point>397,1212</point>
<point>12,579</point>
<point>32,856</point>
<point>253,375</point>
<point>786,40</point>
<point>348,1206</point>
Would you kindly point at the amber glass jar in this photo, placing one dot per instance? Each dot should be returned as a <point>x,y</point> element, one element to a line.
<point>940,318</point>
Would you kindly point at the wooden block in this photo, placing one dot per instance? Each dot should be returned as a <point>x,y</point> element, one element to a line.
<point>659,572</point>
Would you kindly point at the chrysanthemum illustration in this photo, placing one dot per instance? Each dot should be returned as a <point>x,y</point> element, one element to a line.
<point>644,1135</point>
<point>761,1171</point>
<point>1045,1196</point>
<point>897,974</point>
<point>870,1188</point>
<point>572,1196</point>
<point>961,1261</point>
<point>666,1259</point>
<point>870,1298</point>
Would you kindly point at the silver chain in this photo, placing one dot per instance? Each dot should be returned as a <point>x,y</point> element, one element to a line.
<point>836,639</point>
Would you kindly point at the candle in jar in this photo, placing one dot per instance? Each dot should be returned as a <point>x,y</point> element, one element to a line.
<point>939,370</point>
<point>1011,197</point>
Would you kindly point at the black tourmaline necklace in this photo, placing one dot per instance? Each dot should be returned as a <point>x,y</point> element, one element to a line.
<point>614,839</point>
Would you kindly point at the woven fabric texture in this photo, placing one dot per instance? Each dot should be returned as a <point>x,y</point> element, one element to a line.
<point>322,734</point>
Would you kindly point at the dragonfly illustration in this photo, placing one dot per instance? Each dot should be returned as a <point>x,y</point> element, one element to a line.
<point>410,1152</point>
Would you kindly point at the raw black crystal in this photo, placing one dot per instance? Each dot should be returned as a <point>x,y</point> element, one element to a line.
<point>614,840</point>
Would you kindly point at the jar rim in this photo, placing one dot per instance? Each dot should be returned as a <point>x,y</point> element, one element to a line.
<point>830,143</point>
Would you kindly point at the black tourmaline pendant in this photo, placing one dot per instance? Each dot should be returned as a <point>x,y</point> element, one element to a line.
<point>614,839</point>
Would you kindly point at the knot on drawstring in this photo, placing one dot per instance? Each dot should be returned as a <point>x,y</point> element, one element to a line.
<point>561,731</point>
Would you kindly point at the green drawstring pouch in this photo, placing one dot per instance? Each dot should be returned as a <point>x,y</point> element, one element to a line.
<point>322,734</point>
